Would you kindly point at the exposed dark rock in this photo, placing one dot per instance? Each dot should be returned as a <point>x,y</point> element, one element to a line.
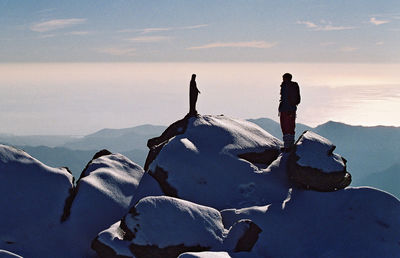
<point>152,155</point>
<point>173,251</point>
<point>74,190</point>
<point>128,234</point>
<point>68,203</point>
<point>67,169</point>
<point>265,158</point>
<point>104,251</point>
<point>249,238</point>
<point>155,144</point>
<point>161,176</point>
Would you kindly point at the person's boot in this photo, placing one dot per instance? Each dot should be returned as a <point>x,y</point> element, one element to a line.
<point>291,141</point>
<point>288,143</point>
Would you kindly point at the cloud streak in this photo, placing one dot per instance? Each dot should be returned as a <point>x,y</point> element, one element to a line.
<point>324,27</point>
<point>377,22</point>
<point>56,24</point>
<point>162,29</point>
<point>149,39</point>
<point>348,49</point>
<point>242,44</point>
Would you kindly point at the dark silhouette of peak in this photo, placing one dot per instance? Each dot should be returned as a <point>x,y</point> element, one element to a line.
<point>117,140</point>
<point>141,130</point>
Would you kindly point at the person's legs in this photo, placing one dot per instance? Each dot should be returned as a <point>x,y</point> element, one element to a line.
<point>192,104</point>
<point>288,123</point>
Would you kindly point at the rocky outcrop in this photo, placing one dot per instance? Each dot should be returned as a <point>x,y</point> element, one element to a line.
<point>313,165</point>
<point>104,194</point>
<point>343,223</point>
<point>216,188</point>
<point>213,149</point>
<point>155,144</point>
<point>74,190</point>
<point>32,197</point>
<point>167,227</point>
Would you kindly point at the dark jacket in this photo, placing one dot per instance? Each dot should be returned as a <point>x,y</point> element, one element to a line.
<point>290,97</point>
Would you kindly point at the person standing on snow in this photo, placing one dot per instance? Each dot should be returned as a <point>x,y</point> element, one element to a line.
<point>193,93</point>
<point>290,98</point>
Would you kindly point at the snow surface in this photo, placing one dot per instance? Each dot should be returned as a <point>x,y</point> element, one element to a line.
<point>355,222</point>
<point>314,151</point>
<point>166,221</point>
<point>5,254</point>
<point>215,254</point>
<point>203,166</point>
<point>33,196</point>
<point>108,189</point>
<point>113,236</point>
<point>205,255</point>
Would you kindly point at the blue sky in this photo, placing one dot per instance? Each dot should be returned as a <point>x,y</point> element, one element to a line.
<point>198,31</point>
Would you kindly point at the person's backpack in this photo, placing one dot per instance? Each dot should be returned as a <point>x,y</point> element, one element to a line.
<point>294,96</point>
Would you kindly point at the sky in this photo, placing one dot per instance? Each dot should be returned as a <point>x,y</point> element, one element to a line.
<point>200,31</point>
<point>75,67</point>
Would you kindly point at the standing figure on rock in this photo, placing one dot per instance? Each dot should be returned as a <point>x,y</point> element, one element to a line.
<point>290,98</point>
<point>193,93</point>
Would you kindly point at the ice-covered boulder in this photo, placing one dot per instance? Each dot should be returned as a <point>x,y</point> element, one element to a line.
<point>313,165</point>
<point>32,198</point>
<point>166,227</point>
<point>354,222</point>
<point>214,162</point>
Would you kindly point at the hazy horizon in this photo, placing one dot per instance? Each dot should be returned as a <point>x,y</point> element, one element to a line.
<point>81,98</point>
<point>75,67</point>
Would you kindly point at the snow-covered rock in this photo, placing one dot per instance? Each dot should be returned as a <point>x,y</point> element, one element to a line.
<point>44,215</point>
<point>206,254</point>
<point>312,164</point>
<point>7,254</point>
<point>355,222</point>
<point>103,194</point>
<point>198,167</point>
<point>205,164</point>
<point>32,198</point>
<point>166,227</point>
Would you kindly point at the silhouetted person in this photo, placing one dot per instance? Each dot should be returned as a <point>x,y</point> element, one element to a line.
<point>193,93</point>
<point>290,98</point>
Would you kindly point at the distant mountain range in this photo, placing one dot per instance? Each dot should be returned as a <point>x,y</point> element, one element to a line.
<point>373,153</point>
